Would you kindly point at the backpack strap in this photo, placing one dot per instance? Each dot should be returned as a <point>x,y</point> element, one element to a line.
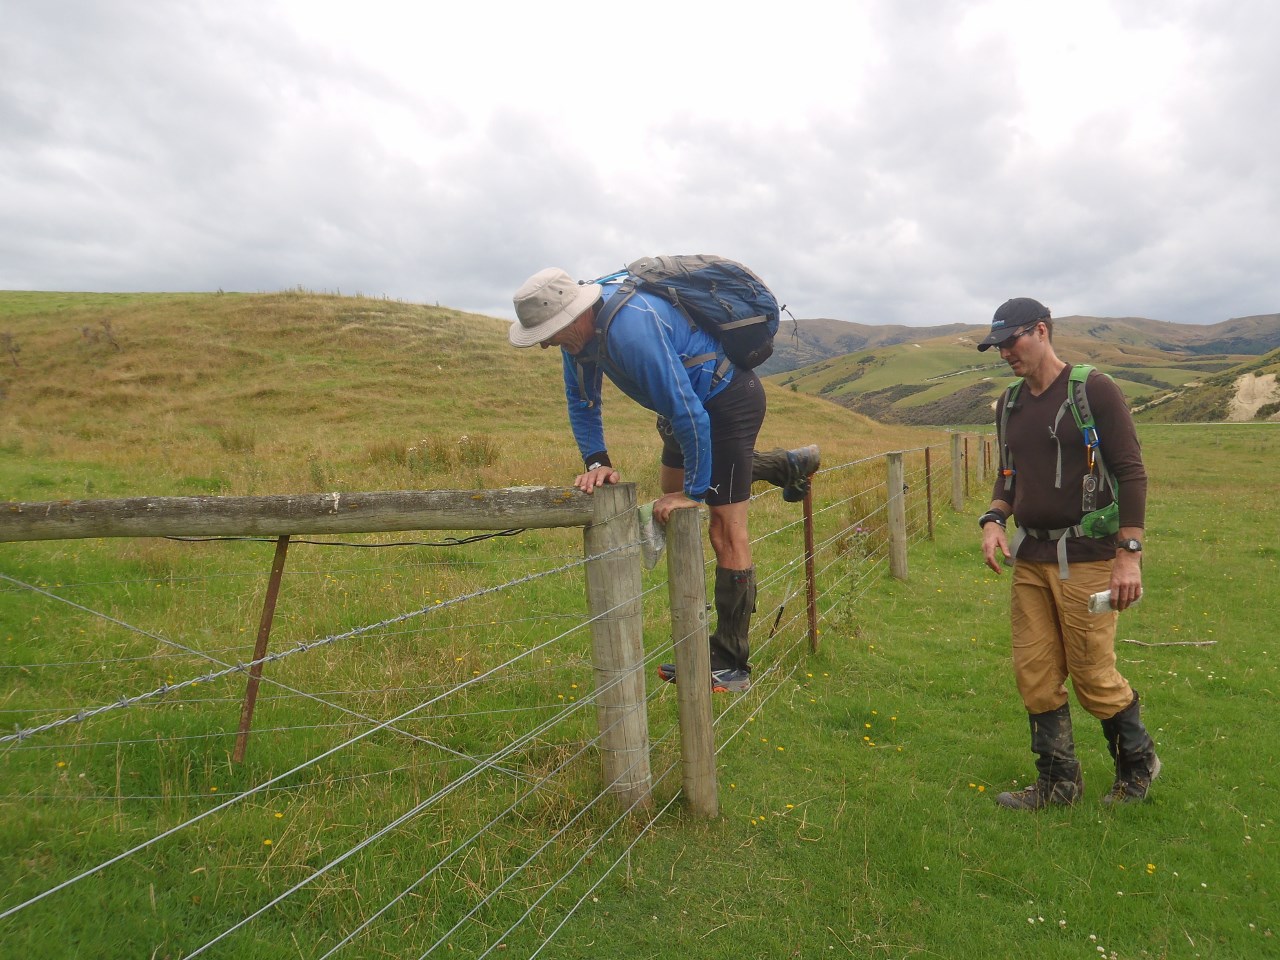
<point>1059,535</point>
<point>1006,455</point>
<point>626,291</point>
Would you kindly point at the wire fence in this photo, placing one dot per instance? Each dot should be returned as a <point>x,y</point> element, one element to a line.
<point>416,784</point>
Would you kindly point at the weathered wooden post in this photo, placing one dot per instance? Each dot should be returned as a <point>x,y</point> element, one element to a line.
<point>614,586</point>
<point>983,462</point>
<point>897,503</point>
<point>957,477</point>
<point>810,579</point>
<point>260,648</point>
<point>928,489</point>
<point>686,572</point>
<point>966,462</point>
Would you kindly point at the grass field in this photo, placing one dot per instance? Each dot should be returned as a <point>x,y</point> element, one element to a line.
<point>892,846</point>
<point>856,784</point>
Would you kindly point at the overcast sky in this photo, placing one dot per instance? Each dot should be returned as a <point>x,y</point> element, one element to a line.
<point>885,161</point>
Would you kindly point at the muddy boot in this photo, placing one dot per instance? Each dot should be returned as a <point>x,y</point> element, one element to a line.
<point>735,598</point>
<point>1059,782</point>
<point>788,469</point>
<point>1134,753</point>
<point>735,601</point>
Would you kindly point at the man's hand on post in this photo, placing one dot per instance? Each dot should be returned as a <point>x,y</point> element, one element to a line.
<point>672,501</point>
<point>596,477</point>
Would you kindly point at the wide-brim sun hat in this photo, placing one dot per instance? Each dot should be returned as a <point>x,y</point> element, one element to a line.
<point>548,302</point>
<point>1012,316</point>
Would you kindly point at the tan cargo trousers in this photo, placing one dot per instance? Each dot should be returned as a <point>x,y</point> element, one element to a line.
<point>1056,637</point>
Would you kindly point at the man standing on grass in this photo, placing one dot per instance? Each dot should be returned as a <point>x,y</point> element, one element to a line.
<point>708,421</point>
<point>1053,482</point>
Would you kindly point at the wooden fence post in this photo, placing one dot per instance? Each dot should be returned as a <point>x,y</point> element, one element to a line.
<point>810,579</point>
<point>260,648</point>
<point>897,501</point>
<point>928,489</point>
<point>686,583</point>
<point>982,462</point>
<point>966,461</point>
<point>617,642</point>
<point>957,478</point>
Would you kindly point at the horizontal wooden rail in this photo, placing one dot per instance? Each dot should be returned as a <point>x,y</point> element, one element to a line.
<point>275,516</point>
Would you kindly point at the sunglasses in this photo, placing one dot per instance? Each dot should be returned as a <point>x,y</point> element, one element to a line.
<point>1008,342</point>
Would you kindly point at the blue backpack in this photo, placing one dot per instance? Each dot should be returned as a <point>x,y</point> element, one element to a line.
<point>717,295</point>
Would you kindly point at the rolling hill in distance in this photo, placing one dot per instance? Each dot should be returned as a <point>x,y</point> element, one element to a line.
<point>1170,372</point>
<point>120,394</point>
<point>109,395</point>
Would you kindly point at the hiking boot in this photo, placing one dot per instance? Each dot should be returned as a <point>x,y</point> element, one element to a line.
<point>788,469</point>
<point>1043,793</point>
<point>729,680</point>
<point>1134,753</point>
<point>1059,781</point>
<point>1132,790</point>
<point>802,463</point>
<point>732,680</point>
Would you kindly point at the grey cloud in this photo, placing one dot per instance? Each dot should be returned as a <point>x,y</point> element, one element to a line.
<point>206,146</point>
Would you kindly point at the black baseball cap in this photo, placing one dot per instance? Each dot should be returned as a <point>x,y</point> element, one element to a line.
<point>1012,316</point>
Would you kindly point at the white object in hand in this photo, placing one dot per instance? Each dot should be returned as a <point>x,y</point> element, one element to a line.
<point>1101,602</point>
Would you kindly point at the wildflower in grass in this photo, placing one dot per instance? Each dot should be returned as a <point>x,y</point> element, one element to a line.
<point>266,843</point>
<point>1151,868</point>
<point>213,789</point>
<point>279,815</point>
<point>61,764</point>
<point>780,749</point>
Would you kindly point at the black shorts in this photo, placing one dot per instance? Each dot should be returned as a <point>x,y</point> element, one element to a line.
<point>737,413</point>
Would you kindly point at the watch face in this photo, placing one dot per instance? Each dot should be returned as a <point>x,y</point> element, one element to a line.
<point>1133,546</point>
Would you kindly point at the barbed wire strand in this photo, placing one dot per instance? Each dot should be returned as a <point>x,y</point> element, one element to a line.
<point>414,811</point>
<point>85,714</point>
<point>306,763</point>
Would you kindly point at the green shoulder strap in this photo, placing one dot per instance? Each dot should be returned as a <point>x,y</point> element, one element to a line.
<point>1080,398</point>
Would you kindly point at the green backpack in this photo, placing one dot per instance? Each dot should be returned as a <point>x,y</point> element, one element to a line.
<point>1094,522</point>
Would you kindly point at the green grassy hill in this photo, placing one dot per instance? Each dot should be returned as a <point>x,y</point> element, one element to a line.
<point>107,395</point>
<point>945,380</point>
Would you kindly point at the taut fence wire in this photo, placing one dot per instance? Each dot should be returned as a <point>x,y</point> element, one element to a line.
<point>452,751</point>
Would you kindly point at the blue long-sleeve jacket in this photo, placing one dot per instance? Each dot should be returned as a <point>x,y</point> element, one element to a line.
<point>649,341</point>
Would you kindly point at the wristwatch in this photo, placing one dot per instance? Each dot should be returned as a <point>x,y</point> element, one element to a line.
<point>1132,545</point>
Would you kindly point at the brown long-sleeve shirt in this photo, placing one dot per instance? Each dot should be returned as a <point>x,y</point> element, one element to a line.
<point>1030,437</point>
